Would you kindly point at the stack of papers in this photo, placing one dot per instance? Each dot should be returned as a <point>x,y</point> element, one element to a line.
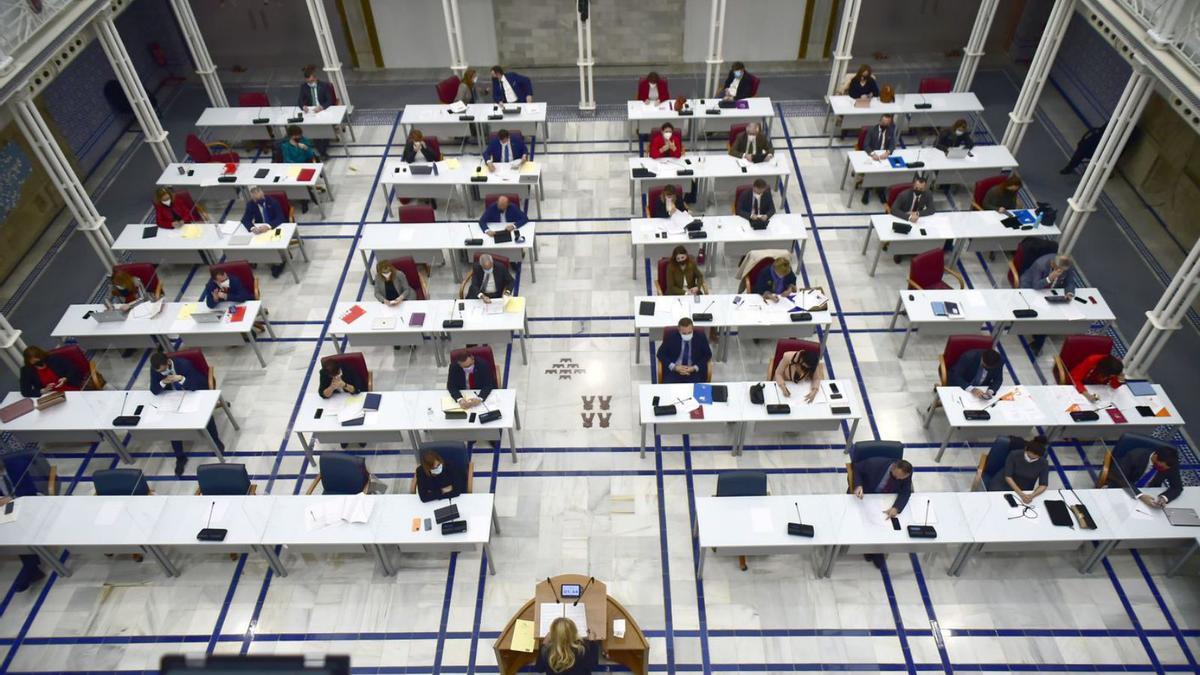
<point>350,509</point>
<point>146,310</point>
<point>229,228</point>
<point>191,231</point>
<point>522,639</point>
<point>515,305</point>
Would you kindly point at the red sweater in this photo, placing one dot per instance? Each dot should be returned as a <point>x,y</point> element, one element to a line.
<point>657,142</point>
<point>166,216</point>
<point>1082,374</point>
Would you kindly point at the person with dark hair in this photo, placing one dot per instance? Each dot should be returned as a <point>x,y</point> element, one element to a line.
<point>653,90</point>
<point>416,149</point>
<point>489,280</point>
<point>915,201</point>
<point>222,287</point>
<point>439,479</point>
<point>979,370</point>
<point>505,149</point>
<point>879,142</point>
<point>1097,369</point>
<point>1026,470</point>
<point>737,83</point>
<point>315,94</point>
<point>297,149</point>
<point>468,373</point>
<point>127,290</point>
<point>752,145</point>
<point>1047,272</point>
<point>510,87</point>
<point>666,143</point>
<point>1002,196</point>
<point>669,201</point>
<point>336,379</point>
<point>884,476</point>
<point>863,85</point>
<point>1165,462</point>
<point>178,374</point>
<point>684,354</point>
<point>796,367</point>
<point>756,204</point>
<point>1085,148</point>
<point>683,274</point>
<point>502,212</point>
<point>958,135</point>
<point>775,280</point>
<point>44,373</point>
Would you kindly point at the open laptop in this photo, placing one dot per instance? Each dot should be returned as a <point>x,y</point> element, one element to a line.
<point>242,238</point>
<point>108,315</point>
<point>214,316</point>
<point>1175,516</point>
<point>958,152</point>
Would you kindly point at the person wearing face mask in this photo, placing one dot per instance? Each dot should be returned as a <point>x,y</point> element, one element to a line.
<point>1050,271</point>
<point>666,143</point>
<point>737,83</point>
<point>1026,470</point>
<point>756,204</point>
<point>315,95</point>
<point>796,367</point>
<point>127,290</point>
<point>915,201</point>
<point>335,379</point>
<point>176,374</point>
<point>669,201</point>
<point>684,354</point>
<point>505,149</point>
<point>489,280</point>
<point>863,85</point>
<point>1164,461</point>
<point>223,288</point>
<point>503,212</point>
<point>391,288</point>
<point>879,142</point>
<point>44,373</point>
<point>169,212</point>
<point>683,275</point>
<point>510,87</point>
<point>299,150</point>
<point>467,373</point>
<point>1002,197</point>
<point>653,90</point>
<point>776,280</point>
<point>438,479</point>
<point>752,145</point>
<point>957,136</point>
<point>416,149</point>
<point>466,88</point>
<point>263,213</point>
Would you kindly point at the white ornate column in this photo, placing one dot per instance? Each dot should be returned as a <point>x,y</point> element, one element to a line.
<point>199,50</point>
<point>1039,72</point>
<point>843,46</point>
<point>11,345</point>
<point>1166,317</point>
<point>156,136</point>
<point>458,58</point>
<point>333,67</point>
<point>587,91</point>
<point>88,220</point>
<point>716,37</point>
<point>974,49</point>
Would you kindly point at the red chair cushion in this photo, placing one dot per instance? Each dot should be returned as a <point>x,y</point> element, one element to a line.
<point>435,146</point>
<point>145,272</point>
<point>1078,347</point>
<point>792,345</point>
<point>935,85</point>
<point>754,82</point>
<point>983,185</point>
<point>199,152</point>
<point>497,259</point>
<point>483,355</point>
<point>253,99</point>
<point>957,345</point>
<point>73,354</point>
<point>408,267</point>
<point>735,130</point>
<point>195,357</point>
<point>661,279</point>
<point>285,204</point>
<point>894,191</point>
<point>514,199</point>
<point>239,269</point>
<point>447,89</point>
<point>416,213</point>
<point>184,199</point>
<point>353,361</point>
<point>927,268</point>
<point>862,138</point>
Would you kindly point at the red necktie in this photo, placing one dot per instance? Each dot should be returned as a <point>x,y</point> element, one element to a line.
<point>471,380</point>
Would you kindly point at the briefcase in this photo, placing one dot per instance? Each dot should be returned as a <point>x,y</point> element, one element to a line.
<point>50,400</point>
<point>446,513</point>
<point>661,410</point>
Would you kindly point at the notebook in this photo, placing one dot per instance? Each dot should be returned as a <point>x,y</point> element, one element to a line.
<point>11,412</point>
<point>1140,388</point>
<point>897,162</point>
<point>945,308</point>
<point>417,319</point>
<point>353,313</point>
<point>306,175</point>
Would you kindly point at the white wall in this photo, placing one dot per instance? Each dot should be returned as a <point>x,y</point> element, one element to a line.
<point>755,30</point>
<point>412,34</point>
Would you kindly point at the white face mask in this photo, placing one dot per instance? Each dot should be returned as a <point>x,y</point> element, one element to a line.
<point>682,261</point>
<point>960,132</point>
<point>223,284</point>
<point>387,276</point>
<point>686,338</point>
<point>666,135</point>
<point>166,201</point>
<point>437,470</point>
<point>1031,458</point>
<point>737,73</point>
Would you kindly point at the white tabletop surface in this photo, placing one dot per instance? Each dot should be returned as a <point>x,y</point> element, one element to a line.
<point>992,521</point>
<point>417,114</point>
<point>955,225</point>
<point>997,304</point>
<point>474,316</point>
<point>1048,405</point>
<point>863,522</point>
<point>95,411</point>
<point>711,166</point>
<point>677,395</point>
<point>941,103</point>
<point>245,518</point>
<point>206,174</point>
<point>752,310</point>
<point>1133,520</point>
<point>745,523</point>
<point>458,171</point>
<point>781,227</point>
<point>759,106</point>
<point>210,237</point>
<point>276,116</point>
<point>984,157</point>
<point>166,322</point>
<point>437,236</point>
<point>403,411</point>
<point>821,407</point>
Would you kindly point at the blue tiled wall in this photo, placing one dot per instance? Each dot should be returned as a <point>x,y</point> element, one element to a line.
<point>1090,72</point>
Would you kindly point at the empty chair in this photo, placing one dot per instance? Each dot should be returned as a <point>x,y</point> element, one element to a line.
<point>253,99</point>
<point>935,85</point>
<point>928,270</point>
<point>447,89</point>
<point>120,483</point>
<point>224,480</point>
<point>341,474</point>
<point>415,213</point>
<point>204,153</point>
<point>742,484</point>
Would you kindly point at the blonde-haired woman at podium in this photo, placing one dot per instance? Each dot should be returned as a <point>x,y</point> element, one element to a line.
<point>565,653</point>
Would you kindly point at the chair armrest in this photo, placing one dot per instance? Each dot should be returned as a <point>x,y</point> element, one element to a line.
<point>958,277</point>
<point>1105,468</point>
<point>975,206</point>
<point>257,295</point>
<point>978,481</point>
<point>52,481</point>
<point>94,376</point>
<point>1061,374</point>
<point>424,284</point>
<point>470,476</point>
<point>198,493</point>
<point>887,208</point>
<point>370,381</point>
<point>412,488</point>
<point>314,485</point>
<point>253,489</point>
<point>217,145</point>
<point>462,288</point>
<point>943,372</point>
<point>849,477</point>
<point>1013,275</point>
<point>150,491</point>
<point>212,378</point>
<point>914,286</point>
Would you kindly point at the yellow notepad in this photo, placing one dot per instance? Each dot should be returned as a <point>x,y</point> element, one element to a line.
<point>191,231</point>
<point>450,405</point>
<point>185,312</point>
<point>452,163</point>
<point>515,305</point>
<point>529,167</point>
<point>294,172</point>
<point>522,639</point>
<point>268,236</point>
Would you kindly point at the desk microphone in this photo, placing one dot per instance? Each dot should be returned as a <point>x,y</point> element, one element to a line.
<point>925,531</point>
<point>589,585</point>
<point>211,533</point>
<point>299,116</point>
<point>551,585</point>
<point>260,119</point>
<point>798,528</point>
<point>778,408</point>
<point>123,420</point>
<point>1028,312</point>
<point>453,322</point>
<point>703,316</point>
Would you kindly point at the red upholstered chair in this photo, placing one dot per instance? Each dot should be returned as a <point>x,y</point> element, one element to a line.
<point>927,272</point>
<point>74,354</point>
<point>447,89</point>
<point>660,281</point>
<point>412,274</point>
<point>184,199</point>
<point>752,275</point>
<point>981,189</point>
<point>754,82</point>
<point>483,358</point>
<point>643,89</point>
<point>789,345</point>
<point>242,271</point>
<point>496,259</point>
<point>935,85</point>
<point>956,346</point>
<point>655,194</point>
<point>737,194</point>
<point>253,99</point>
<point>514,199</point>
<point>285,205</point>
<point>212,152</point>
<point>435,146</point>
<point>352,361</point>
<point>1028,250</point>
<point>195,357</point>
<point>893,192</point>
<point>1075,349</point>
<point>735,130</point>
<point>862,138</point>
<point>145,272</point>
<point>671,330</point>
<point>416,213</point>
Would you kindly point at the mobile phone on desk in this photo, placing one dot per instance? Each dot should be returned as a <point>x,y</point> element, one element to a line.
<point>896,524</point>
<point>317,415</point>
<point>138,410</point>
<point>833,389</point>
<point>1012,501</point>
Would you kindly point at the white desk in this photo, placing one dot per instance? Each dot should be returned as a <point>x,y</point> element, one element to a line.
<point>453,179</point>
<point>646,116</point>
<point>976,230</point>
<point>863,528</point>
<point>133,331</point>
<point>985,160</point>
<point>437,120</point>
<point>278,177</point>
<point>718,417</point>
<point>706,168</point>
<point>425,242</point>
<point>995,306</point>
<point>1139,526</point>
<point>88,416</point>
<point>749,313</point>
<point>323,124</point>
<point>733,232</point>
<point>209,244</point>
<point>943,111</point>
<point>758,526</point>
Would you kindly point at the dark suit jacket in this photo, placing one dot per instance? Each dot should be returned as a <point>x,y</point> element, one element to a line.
<point>880,139</point>
<point>512,214</point>
<point>456,380</point>
<point>743,90</point>
<point>192,379</point>
<point>856,90</point>
<point>658,208</point>
<point>252,214</point>
<point>410,153</point>
<point>325,95</point>
<point>237,292</point>
<point>904,203</point>
<point>520,84</point>
<point>948,139</point>
<point>1134,465</point>
<point>962,373</point>
<point>672,349</point>
<point>495,153</point>
<point>868,473</point>
<point>745,205</point>
<point>349,376</point>
<point>762,145</point>
<point>32,386</point>
<point>430,488</point>
<point>765,283</point>
<point>504,280</point>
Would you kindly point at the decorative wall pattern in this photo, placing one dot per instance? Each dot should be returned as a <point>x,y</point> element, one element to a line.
<point>1090,71</point>
<point>542,32</point>
<point>15,169</point>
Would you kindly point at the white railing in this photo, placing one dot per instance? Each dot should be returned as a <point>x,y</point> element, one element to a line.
<point>1173,23</point>
<point>18,22</point>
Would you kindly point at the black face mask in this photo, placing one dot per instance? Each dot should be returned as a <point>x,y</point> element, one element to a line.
<point>38,364</point>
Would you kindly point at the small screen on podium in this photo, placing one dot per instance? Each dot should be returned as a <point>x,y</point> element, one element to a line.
<point>571,590</point>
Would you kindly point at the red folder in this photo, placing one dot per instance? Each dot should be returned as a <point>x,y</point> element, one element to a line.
<point>1116,415</point>
<point>697,414</point>
<point>352,314</point>
<point>305,175</point>
<point>237,314</point>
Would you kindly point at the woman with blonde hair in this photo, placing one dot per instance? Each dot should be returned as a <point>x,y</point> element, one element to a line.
<point>169,212</point>
<point>565,653</point>
<point>776,280</point>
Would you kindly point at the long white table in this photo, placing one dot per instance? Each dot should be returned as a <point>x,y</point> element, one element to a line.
<point>278,177</point>
<point>984,161</point>
<point>748,312</point>
<point>453,179</point>
<point>437,120</point>
<point>975,230</point>
<point>742,418</point>
<point>995,306</point>
<point>944,110</point>
<point>657,237</point>
<point>87,416</point>
<point>404,413</point>
<point>323,124</point>
<point>1136,525</point>
<point>707,168</point>
<point>647,116</point>
<point>425,242</point>
<point>209,241</point>
<point>173,320</point>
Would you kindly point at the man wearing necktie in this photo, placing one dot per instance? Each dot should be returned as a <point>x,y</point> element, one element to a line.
<point>315,94</point>
<point>756,204</point>
<point>505,149</point>
<point>884,475</point>
<point>879,143</point>
<point>979,370</point>
<point>915,201</point>
<point>684,354</point>
<point>468,373</point>
<point>752,145</point>
<point>503,212</point>
<point>178,374</point>
<point>489,280</point>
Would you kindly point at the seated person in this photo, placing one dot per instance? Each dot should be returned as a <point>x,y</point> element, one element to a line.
<point>756,204</point>
<point>503,212</point>
<point>1026,470</point>
<point>1164,461</point>
<point>669,201</point>
<point>262,214</point>
<point>169,213</point>
<point>752,145</point>
<point>863,85</point>
<point>957,136</point>
<point>666,143</point>
<point>222,287</point>
<point>653,90</point>
<point>416,149</point>
<point>979,370</point>
<point>884,476</point>
<point>1097,369</point>
<point>168,374</point>
<point>489,280</point>
<point>879,143</point>
<point>914,202</point>
<point>1002,197</point>
<point>127,290</point>
<point>510,87</point>
<point>466,373</point>
<point>565,652</point>
<point>737,85</point>
<point>466,88</point>
<point>44,373</point>
<point>505,149</point>
<point>775,280</point>
<point>684,354</point>
<point>1050,271</point>
<point>437,479</point>
<point>798,366</point>
<point>391,286</point>
<point>315,95</point>
<point>336,379</point>
<point>297,149</point>
<point>683,274</point>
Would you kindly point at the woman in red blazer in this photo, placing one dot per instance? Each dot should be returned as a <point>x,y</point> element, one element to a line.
<point>668,142</point>
<point>660,87</point>
<point>169,211</point>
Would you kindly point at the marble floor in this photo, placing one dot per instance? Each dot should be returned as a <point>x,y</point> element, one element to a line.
<point>564,506</point>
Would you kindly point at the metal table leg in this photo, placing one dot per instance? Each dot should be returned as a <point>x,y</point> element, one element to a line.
<point>1102,550</point>
<point>254,346</point>
<point>212,443</point>
<point>700,564</point>
<point>643,456</point>
<point>283,259</point>
<point>228,412</point>
<point>122,452</point>
<point>161,557</point>
<point>487,552</point>
<point>273,560</point>
<point>308,453</point>
<point>896,314</point>
<point>945,442</point>
<point>850,436</point>
<point>51,561</point>
<point>495,521</point>
<point>878,255</point>
<point>512,440</point>
<point>524,355</point>
<point>382,557</point>
<point>960,559</point>
<point>904,343</point>
<point>637,345</point>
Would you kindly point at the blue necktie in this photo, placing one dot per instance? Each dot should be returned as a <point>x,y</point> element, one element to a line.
<point>507,157</point>
<point>686,357</point>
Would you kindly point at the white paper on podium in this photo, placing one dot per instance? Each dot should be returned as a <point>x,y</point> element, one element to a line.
<point>555,610</point>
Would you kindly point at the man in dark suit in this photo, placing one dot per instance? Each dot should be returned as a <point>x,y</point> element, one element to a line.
<point>504,212</point>
<point>1165,462</point>
<point>314,93</point>
<point>505,149</point>
<point>752,144</point>
<point>335,378</point>
<point>510,87</point>
<point>224,288</point>
<point>489,280</point>
<point>684,355</point>
<point>979,370</point>
<point>756,204</point>
<point>467,373</point>
<point>883,476</point>
<point>737,83</point>
<point>176,374</point>
<point>669,201</point>
<point>263,213</point>
<point>914,202</point>
<point>879,142</point>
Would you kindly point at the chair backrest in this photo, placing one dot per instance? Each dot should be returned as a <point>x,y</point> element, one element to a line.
<point>145,272</point>
<point>983,185</point>
<point>655,194</point>
<point>223,479</point>
<point>957,345</point>
<point>408,267</point>
<point>183,199</point>
<point>343,474</point>
<point>935,85</point>
<point>416,213</point>
<point>196,149</point>
<point>253,99</point>
<point>352,361</point>
<point>735,130</point>
<point>447,89</point>
<point>894,191</point>
<point>1131,441</point>
<point>72,353</point>
<point>241,270</point>
<point>514,199</point>
<point>868,449</point>
<point>741,484</point>
<point>862,138</point>
<point>435,146</point>
<point>120,482</point>
<point>660,281</point>
<point>754,82</point>
<point>496,258</point>
<point>1027,252</point>
<point>284,204</point>
<point>786,345</point>
<point>1076,348</point>
<point>27,470</point>
<point>737,194</point>
<point>998,454</point>
<point>757,270</point>
<point>925,269</point>
<point>195,357</point>
<point>483,356</point>
<point>457,459</point>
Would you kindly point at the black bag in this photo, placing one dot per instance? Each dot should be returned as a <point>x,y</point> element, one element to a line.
<point>660,410</point>
<point>720,393</point>
<point>756,393</point>
<point>1048,213</point>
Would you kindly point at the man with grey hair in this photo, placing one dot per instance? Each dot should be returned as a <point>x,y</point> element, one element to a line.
<point>489,280</point>
<point>1050,271</point>
<point>263,213</point>
<point>752,145</point>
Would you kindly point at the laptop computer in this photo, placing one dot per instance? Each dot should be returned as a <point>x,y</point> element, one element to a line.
<point>208,317</point>
<point>108,316</point>
<point>241,239</point>
<point>957,153</point>
<point>423,169</point>
<point>1182,517</point>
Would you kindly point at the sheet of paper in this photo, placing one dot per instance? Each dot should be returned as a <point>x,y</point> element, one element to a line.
<point>146,310</point>
<point>547,613</point>
<point>229,228</point>
<point>679,219</point>
<point>450,405</point>
<point>578,614</point>
<point>108,513</point>
<point>523,638</point>
<point>185,312</point>
<point>358,508</point>
<point>191,231</point>
<point>294,172</point>
<point>452,163</point>
<point>760,520</point>
<point>515,305</point>
<point>268,236</point>
<point>530,167</point>
<point>687,405</point>
<point>494,307</point>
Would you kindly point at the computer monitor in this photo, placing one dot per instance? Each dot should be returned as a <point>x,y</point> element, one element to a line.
<point>319,664</point>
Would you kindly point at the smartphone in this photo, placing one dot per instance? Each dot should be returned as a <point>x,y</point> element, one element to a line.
<point>181,170</point>
<point>138,410</point>
<point>737,300</point>
<point>317,415</point>
<point>471,418</point>
<point>654,401</point>
<point>896,524</point>
<point>1012,501</point>
<point>8,508</point>
<point>88,314</point>
<point>276,179</point>
<point>416,524</point>
<point>428,525</point>
<point>833,389</point>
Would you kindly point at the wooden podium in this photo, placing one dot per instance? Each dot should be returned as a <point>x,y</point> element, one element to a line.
<point>631,651</point>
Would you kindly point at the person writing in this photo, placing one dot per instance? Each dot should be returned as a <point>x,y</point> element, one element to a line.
<point>336,379</point>
<point>1002,197</point>
<point>683,274</point>
<point>737,84</point>
<point>1164,460</point>
<point>178,374</point>
<point>502,212</point>
<point>666,143</point>
<point>224,288</point>
<point>796,367</point>
<point>44,373</point>
<point>489,280</point>
<point>653,90</point>
<point>884,476</point>
<point>669,201</point>
<point>297,149</point>
<point>261,213</point>
<point>391,287</point>
<point>915,201</point>
<point>752,145</point>
<point>466,373</point>
<point>505,149</point>
<point>127,290</point>
<point>510,87</point>
<point>863,86</point>
<point>436,479</point>
<point>563,652</point>
<point>1026,470</point>
<point>684,354</point>
<point>957,136</point>
<point>879,142</point>
<point>417,150</point>
<point>169,212</point>
<point>756,204</point>
<point>1097,369</point>
<point>776,280</point>
<point>981,371</point>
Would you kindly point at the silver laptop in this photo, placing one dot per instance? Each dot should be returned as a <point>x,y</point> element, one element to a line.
<point>241,238</point>
<point>109,316</point>
<point>1182,517</point>
<point>957,153</point>
<point>208,317</point>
